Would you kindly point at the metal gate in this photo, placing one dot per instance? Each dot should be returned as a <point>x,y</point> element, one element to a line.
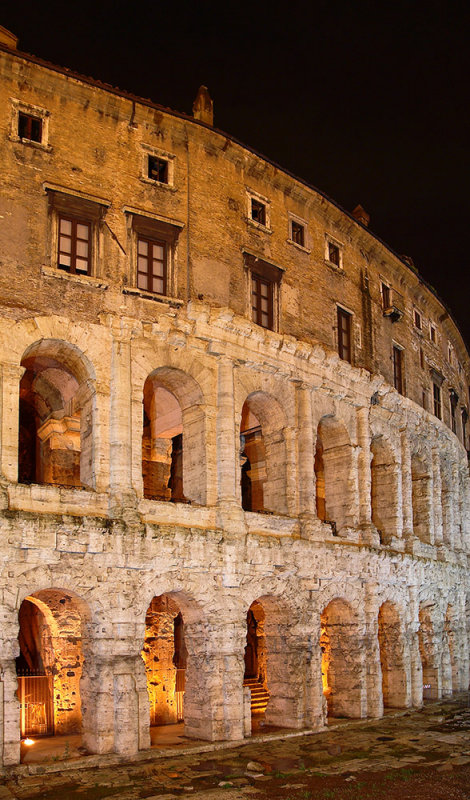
<point>35,693</point>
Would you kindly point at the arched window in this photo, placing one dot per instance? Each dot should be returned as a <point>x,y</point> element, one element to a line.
<point>263,455</point>
<point>332,472</point>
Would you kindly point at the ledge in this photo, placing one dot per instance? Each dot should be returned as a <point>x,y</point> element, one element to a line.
<point>83,280</point>
<point>183,515</point>
<point>156,298</point>
<point>44,499</point>
<point>271,525</point>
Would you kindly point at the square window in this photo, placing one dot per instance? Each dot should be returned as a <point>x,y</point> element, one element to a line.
<point>297,232</point>
<point>417,319</point>
<point>258,212</point>
<point>29,127</point>
<point>344,335</point>
<point>151,266</point>
<point>158,169</point>
<point>74,246</point>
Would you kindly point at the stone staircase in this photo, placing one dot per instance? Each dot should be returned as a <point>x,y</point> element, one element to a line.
<point>259,695</point>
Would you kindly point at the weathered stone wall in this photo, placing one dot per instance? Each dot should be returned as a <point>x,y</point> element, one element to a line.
<point>364,549</point>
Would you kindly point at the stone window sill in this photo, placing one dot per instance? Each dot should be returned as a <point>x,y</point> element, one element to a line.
<point>156,298</point>
<point>159,184</point>
<point>258,226</point>
<point>29,143</point>
<point>334,267</point>
<point>84,280</point>
<point>299,246</point>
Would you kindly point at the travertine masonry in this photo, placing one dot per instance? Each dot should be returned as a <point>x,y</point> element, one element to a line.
<point>122,516</point>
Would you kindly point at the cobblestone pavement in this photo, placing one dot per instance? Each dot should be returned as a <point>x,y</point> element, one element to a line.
<point>421,754</point>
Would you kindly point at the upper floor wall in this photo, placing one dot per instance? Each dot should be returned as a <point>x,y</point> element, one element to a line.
<point>111,204</point>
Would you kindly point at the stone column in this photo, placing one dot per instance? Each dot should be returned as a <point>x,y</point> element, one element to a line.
<point>214,696</point>
<point>11,375</point>
<point>231,517</point>
<point>437,496</point>
<point>416,667</point>
<point>10,712</point>
<point>456,506</point>
<point>406,489</point>
<point>375,706</point>
<point>306,461</point>
<point>369,534</point>
<point>120,412</point>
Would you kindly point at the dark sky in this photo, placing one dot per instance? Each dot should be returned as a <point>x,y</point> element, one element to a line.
<point>368,101</point>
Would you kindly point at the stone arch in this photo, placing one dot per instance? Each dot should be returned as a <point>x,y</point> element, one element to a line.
<point>341,659</point>
<point>263,454</point>
<point>421,498</point>
<point>333,464</point>
<point>384,489</point>
<point>57,416</point>
<point>173,440</point>
<point>53,627</point>
<point>395,691</point>
<point>432,689</point>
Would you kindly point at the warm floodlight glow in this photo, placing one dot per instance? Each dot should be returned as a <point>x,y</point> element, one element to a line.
<point>29,742</point>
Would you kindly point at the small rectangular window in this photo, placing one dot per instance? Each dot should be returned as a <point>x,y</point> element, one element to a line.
<point>262,301</point>
<point>344,335</point>
<point>436,392</point>
<point>421,358</point>
<point>74,245</point>
<point>258,212</point>
<point>151,266</point>
<point>334,256</point>
<point>432,334</point>
<point>158,169</point>
<point>464,426</point>
<point>398,368</point>
<point>29,127</point>
<point>417,320</point>
<point>450,351</point>
<point>297,233</point>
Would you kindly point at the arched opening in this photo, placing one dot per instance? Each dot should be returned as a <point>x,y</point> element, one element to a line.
<point>173,438</point>
<point>384,490</point>
<point>332,473</point>
<point>262,455</point>
<point>56,417</point>
<point>394,689</point>
<point>427,649</point>
<point>49,670</point>
<point>421,499</point>
<point>256,675</point>
<point>341,670</point>
<point>165,657</point>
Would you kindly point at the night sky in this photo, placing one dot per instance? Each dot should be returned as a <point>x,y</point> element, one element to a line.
<point>367,101</point>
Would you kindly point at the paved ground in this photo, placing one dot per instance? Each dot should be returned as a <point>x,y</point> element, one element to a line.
<point>424,755</point>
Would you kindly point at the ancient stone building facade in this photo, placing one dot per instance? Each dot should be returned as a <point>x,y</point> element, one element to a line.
<point>232,435</point>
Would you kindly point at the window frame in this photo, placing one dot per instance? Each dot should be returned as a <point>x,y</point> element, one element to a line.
<point>432,333</point>
<point>398,363</point>
<point>169,159</point>
<point>330,241</point>
<point>255,197</point>
<point>80,209</point>
<point>157,230</point>
<point>256,310</point>
<point>264,272</point>
<point>343,314</point>
<point>19,108</point>
<point>418,320</point>
<point>75,239</point>
<point>437,399</point>
<point>151,244</point>
<point>300,223</point>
